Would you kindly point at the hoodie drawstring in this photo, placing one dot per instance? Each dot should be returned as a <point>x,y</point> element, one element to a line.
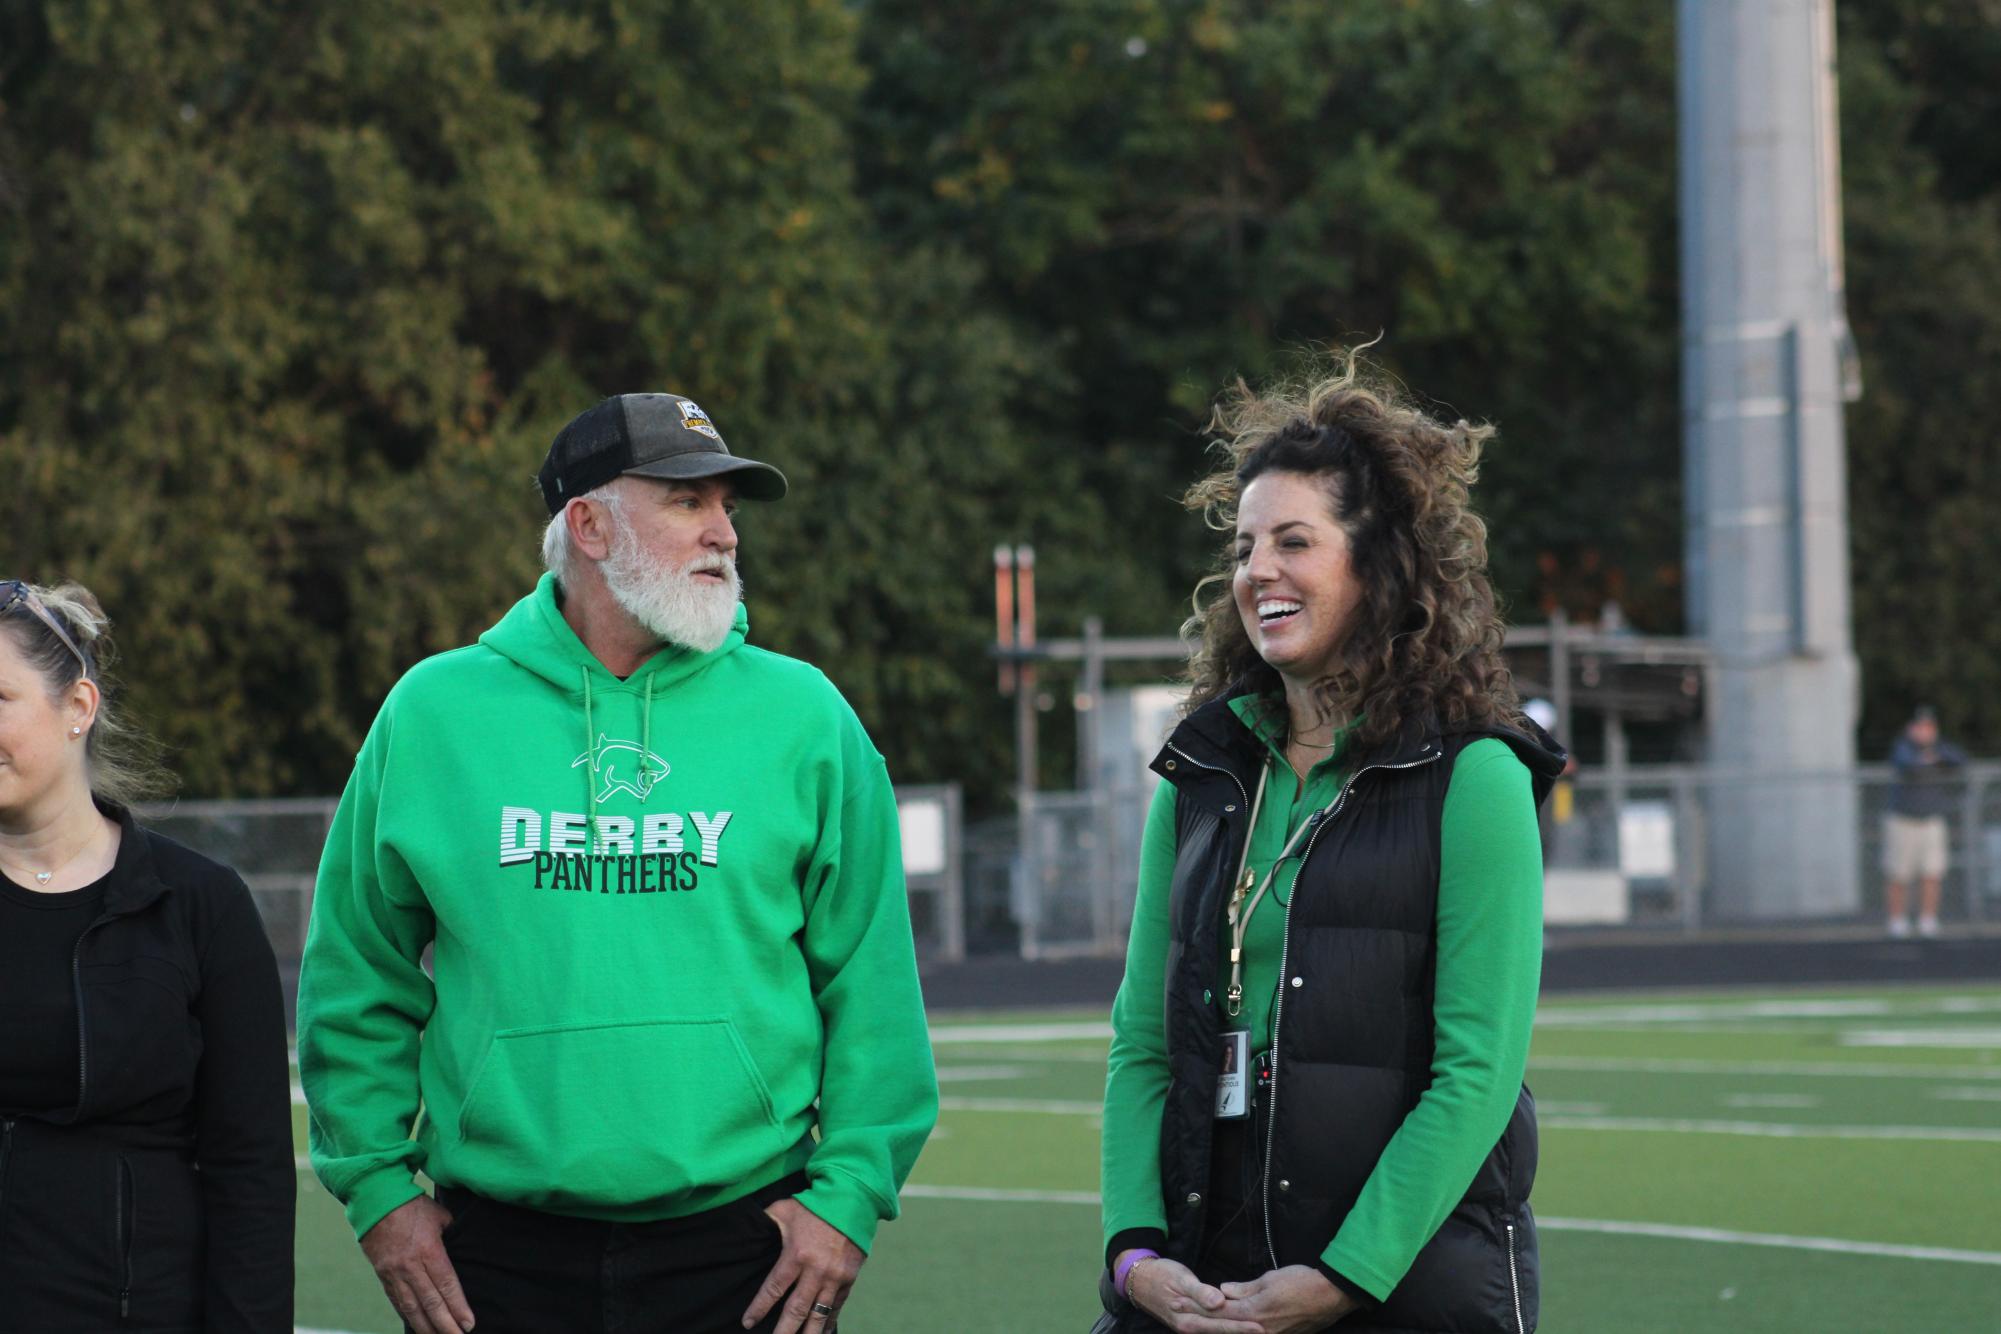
<point>590,748</point>
<point>590,769</point>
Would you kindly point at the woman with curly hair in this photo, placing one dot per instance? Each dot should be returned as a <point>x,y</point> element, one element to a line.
<point>1314,1111</point>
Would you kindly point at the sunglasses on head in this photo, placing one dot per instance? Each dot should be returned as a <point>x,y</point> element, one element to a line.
<point>15,592</point>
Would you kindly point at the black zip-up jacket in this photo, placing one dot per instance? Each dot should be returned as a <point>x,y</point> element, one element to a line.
<point>1352,1051</point>
<point>162,1202</point>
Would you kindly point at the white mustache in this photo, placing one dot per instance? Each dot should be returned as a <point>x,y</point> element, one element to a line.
<point>709,564</point>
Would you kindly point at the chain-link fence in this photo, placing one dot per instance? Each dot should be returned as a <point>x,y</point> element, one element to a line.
<point>1633,848</point>
<point>1628,850</point>
<point>1073,894</point>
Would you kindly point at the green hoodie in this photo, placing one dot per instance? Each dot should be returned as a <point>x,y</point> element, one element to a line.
<point>666,916</point>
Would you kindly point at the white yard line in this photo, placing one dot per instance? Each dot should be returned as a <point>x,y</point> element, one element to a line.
<point>1836,1245</point>
<point>1920,1037</point>
<point>1783,1101</point>
<point>1558,1121</point>
<point>993,1196</point>
<point>1687,1012</point>
<point>1020,1032</point>
<point>1043,1106</point>
<point>1728,1028</point>
<point>1772,1129</point>
<point>1848,1069</point>
<point>1672,1231</point>
<point>1682,1012</point>
<point>1967,1095</point>
<point>952,1074</point>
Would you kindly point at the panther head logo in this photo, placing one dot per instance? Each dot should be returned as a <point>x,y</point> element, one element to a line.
<point>621,766</point>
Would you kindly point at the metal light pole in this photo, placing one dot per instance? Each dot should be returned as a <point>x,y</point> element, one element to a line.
<point>1766,366</point>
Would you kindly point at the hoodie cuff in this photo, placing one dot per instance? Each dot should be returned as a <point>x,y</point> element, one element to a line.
<point>846,1208</point>
<point>376,1194</point>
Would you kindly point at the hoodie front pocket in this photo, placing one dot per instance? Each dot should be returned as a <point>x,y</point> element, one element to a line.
<point>615,1113</point>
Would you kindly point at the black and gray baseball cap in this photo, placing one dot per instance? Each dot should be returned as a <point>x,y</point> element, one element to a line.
<point>647,435</point>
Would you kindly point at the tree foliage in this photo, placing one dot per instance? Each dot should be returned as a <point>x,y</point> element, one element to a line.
<point>292,299</point>
<point>1168,196</point>
<point>297,296</point>
<point>1922,183</point>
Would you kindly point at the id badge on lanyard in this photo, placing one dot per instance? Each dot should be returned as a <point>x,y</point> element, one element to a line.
<point>1233,1097</point>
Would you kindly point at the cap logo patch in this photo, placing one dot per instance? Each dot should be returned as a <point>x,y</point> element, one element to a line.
<point>695,419</point>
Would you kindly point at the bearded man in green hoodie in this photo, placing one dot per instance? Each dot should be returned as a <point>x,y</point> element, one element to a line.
<point>668,1067</point>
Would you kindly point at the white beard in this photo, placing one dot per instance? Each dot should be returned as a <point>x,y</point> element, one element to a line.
<point>673,603</point>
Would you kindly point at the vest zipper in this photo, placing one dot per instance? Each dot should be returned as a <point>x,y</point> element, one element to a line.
<point>1515,1282</point>
<point>6,1152</point>
<point>82,1043</point>
<point>127,1226</point>
<point>1278,1006</point>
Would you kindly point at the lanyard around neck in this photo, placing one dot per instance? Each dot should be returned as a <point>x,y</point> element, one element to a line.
<point>1240,911</point>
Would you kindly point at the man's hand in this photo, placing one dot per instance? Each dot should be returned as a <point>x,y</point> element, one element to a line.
<point>1169,1292</point>
<point>818,1265</point>
<point>1297,1299</point>
<point>407,1249</point>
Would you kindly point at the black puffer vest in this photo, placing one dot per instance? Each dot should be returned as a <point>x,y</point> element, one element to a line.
<point>1352,1027</point>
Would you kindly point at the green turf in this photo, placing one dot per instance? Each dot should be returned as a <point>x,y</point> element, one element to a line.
<point>336,1288</point>
<point>1920,1194</point>
<point>1644,1285</point>
<point>1019,1115</point>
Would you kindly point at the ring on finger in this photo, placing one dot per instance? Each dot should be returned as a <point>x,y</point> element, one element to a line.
<point>822,1311</point>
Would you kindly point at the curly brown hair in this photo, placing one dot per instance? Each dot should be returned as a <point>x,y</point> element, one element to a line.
<point>1425,645</point>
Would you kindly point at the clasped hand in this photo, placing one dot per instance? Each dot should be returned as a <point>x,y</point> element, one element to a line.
<point>1293,1300</point>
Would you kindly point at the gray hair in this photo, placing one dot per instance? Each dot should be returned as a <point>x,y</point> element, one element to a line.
<point>557,557</point>
<point>123,763</point>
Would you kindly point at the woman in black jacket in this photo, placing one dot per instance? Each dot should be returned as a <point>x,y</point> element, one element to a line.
<point>146,1176</point>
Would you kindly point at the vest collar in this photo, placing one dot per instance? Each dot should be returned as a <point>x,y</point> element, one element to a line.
<point>1211,756</point>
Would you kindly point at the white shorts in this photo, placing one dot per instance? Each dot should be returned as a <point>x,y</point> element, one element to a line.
<point>1914,847</point>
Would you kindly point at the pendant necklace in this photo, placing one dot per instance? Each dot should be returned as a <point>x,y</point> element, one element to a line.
<point>43,877</point>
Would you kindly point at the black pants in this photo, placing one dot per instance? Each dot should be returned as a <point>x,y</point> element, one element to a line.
<point>528,1272</point>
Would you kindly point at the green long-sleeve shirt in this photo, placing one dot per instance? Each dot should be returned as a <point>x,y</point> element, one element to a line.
<point>1489,970</point>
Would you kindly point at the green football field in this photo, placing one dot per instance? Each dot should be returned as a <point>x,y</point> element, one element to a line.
<point>1792,1162</point>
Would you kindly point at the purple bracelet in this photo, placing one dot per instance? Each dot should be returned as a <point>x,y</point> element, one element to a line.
<point>1124,1272</point>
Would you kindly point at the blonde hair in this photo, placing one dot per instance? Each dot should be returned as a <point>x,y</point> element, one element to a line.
<point>1425,643</point>
<point>121,760</point>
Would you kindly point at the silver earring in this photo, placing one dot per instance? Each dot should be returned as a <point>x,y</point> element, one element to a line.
<point>76,731</point>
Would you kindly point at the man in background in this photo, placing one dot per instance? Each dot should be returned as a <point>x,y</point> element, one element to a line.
<point>1915,838</point>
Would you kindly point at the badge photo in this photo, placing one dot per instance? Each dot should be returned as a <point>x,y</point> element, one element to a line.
<point>1232,1096</point>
